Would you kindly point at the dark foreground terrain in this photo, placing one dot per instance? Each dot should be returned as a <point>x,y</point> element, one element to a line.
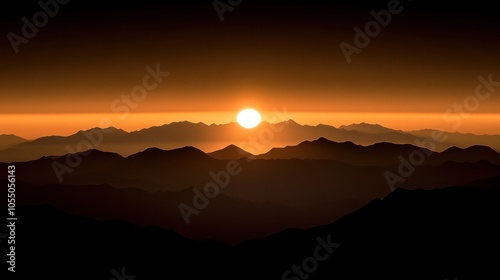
<point>410,234</point>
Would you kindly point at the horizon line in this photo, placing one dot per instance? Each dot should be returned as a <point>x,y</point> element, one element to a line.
<point>235,123</point>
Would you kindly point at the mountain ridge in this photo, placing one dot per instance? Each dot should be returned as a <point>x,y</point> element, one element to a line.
<point>213,137</point>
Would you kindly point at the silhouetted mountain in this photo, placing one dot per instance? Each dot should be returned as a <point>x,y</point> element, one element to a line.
<point>231,152</point>
<point>369,128</point>
<point>458,139</point>
<point>247,220</point>
<point>380,154</point>
<point>89,167</point>
<point>438,234</point>
<point>62,145</point>
<point>212,137</point>
<point>471,154</point>
<point>9,140</point>
<point>322,190</point>
<point>159,170</point>
<point>186,154</point>
<point>152,169</point>
<point>408,235</point>
<point>347,152</point>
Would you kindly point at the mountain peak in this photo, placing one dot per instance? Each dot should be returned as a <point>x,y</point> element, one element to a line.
<point>479,149</point>
<point>9,140</point>
<point>367,128</point>
<point>231,152</point>
<point>183,153</point>
<point>323,140</point>
<point>109,129</point>
<point>290,121</point>
<point>11,136</point>
<point>181,123</point>
<point>181,150</point>
<point>91,155</point>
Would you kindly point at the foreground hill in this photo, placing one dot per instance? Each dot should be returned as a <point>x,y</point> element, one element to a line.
<point>438,234</point>
<point>231,152</point>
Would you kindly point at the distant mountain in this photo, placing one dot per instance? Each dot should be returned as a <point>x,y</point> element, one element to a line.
<point>231,152</point>
<point>436,235</point>
<point>369,128</point>
<point>206,137</point>
<point>458,139</point>
<point>62,145</point>
<point>9,140</point>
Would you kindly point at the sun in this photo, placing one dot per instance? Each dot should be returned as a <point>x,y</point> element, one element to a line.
<point>249,118</point>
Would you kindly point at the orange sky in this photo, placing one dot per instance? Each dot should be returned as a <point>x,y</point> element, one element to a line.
<point>77,71</point>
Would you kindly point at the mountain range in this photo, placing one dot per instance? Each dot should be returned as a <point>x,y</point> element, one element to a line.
<point>396,210</point>
<point>449,233</point>
<point>312,183</point>
<point>214,137</point>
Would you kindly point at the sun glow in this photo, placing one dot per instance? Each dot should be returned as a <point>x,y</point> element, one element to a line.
<point>249,118</point>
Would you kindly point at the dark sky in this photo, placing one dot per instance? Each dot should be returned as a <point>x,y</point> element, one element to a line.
<point>266,53</point>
